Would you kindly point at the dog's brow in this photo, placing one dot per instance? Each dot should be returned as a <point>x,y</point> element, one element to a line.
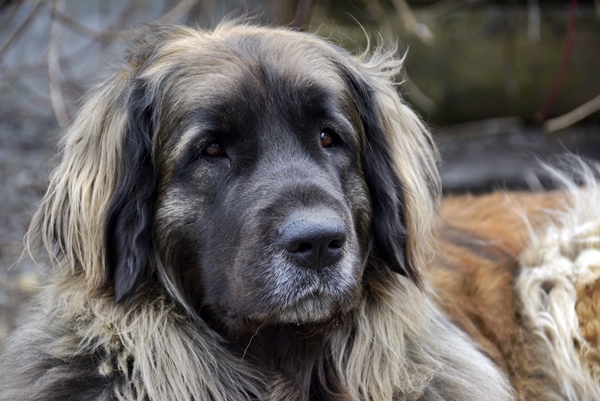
<point>186,138</point>
<point>344,122</point>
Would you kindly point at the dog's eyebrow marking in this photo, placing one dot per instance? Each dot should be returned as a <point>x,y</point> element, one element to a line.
<point>186,138</point>
<point>342,120</point>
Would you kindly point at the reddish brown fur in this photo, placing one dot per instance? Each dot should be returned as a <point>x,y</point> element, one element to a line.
<point>480,239</point>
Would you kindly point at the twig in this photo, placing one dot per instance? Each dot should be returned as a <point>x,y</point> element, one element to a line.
<point>182,8</point>
<point>301,14</point>
<point>533,21</point>
<point>75,26</point>
<point>9,10</point>
<point>21,28</point>
<point>380,14</point>
<point>445,7</point>
<point>10,78</point>
<point>54,76</point>
<point>417,97</point>
<point>411,90</point>
<point>207,8</point>
<point>572,117</point>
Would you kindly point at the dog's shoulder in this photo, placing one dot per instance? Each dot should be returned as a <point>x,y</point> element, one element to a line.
<point>44,359</point>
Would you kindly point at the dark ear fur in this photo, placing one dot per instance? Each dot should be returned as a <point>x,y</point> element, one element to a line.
<point>385,187</point>
<point>129,215</point>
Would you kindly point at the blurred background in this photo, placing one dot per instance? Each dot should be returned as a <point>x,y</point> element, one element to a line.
<point>502,84</point>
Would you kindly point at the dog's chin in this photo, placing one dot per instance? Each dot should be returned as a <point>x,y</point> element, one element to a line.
<point>314,309</point>
<point>315,298</point>
<point>294,295</point>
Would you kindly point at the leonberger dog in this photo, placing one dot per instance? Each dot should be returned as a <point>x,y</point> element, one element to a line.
<point>251,213</point>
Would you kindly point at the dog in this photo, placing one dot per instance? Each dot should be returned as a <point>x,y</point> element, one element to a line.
<point>251,213</point>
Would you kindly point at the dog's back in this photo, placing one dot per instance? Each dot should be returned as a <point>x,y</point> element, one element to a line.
<point>520,273</point>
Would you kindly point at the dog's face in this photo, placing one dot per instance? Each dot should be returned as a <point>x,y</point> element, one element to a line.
<point>266,208</point>
<point>260,176</point>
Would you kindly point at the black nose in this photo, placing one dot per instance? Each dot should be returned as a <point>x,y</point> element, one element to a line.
<point>314,240</point>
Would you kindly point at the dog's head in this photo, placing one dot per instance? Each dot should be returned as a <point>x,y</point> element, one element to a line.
<point>258,174</point>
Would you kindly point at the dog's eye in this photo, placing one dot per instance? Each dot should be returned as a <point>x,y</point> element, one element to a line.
<point>213,149</point>
<point>328,139</point>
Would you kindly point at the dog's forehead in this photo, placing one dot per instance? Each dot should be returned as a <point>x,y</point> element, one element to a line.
<point>255,75</point>
<point>292,54</point>
<point>221,66</point>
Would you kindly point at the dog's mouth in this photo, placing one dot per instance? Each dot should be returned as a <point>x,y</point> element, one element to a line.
<point>308,314</point>
<point>308,328</point>
<point>267,283</point>
<point>292,292</point>
<point>305,297</point>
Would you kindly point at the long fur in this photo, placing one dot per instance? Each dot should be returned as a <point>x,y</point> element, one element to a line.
<point>117,322</point>
<point>518,273</point>
<point>559,285</point>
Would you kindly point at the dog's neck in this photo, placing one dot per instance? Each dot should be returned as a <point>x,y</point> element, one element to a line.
<point>295,356</point>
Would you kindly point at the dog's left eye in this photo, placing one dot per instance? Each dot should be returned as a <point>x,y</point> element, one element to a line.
<point>328,139</point>
<point>213,149</point>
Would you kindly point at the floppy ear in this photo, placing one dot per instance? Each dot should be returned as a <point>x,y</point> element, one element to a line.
<point>94,218</point>
<point>386,189</point>
<point>399,162</point>
<point>129,214</point>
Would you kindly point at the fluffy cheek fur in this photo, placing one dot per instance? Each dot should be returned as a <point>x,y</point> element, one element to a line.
<point>220,242</point>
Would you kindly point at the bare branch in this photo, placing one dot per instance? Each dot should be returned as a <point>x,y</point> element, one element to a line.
<point>380,15</point>
<point>10,78</point>
<point>21,28</point>
<point>9,10</point>
<point>444,7</point>
<point>301,14</point>
<point>181,9</point>
<point>178,11</point>
<point>410,89</point>
<point>77,27</point>
<point>417,97</point>
<point>54,75</point>
<point>572,117</point>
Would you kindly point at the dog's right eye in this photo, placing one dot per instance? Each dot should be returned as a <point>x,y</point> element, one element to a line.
<point>328,139</point>
<point>213,149</point>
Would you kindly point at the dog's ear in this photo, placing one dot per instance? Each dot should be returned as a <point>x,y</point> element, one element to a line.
<point>399,162</point>
<point>129,214</point>
<point>95,217</point>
